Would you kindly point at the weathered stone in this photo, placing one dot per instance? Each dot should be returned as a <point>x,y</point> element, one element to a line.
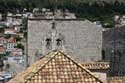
<point>83,39</point>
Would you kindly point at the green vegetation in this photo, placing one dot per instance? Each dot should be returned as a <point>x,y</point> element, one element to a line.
<point>24,23</point>
<point>24,26</point>
<point>20,46</point>
<point>18,38</point>
<point>1,30</point>
<point>7,36</point>
<point>2,27</point>
<point>2,55</point>
<point>93,10</point>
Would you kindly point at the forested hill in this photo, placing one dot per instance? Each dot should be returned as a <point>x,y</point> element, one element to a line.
<point>112,6</point>
<point>47,3</point>
<point>102,10</point>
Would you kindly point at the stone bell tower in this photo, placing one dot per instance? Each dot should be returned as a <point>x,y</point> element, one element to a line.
<point>53,40</point>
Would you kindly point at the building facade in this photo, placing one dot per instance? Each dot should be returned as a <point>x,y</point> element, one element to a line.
<point>76,37</point>
<point>114,50</point>
<point>11,44</point>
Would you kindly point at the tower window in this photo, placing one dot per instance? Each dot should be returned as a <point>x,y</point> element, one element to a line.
<point>58,42</point>
<point>48,42</point>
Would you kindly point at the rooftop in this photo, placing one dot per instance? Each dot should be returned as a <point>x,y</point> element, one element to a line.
<point>96,65</point>
<point>116,79</point>
<point>2,49</point>
<point>56,67</point>
<point>11,40</point>
<point>2,38</point>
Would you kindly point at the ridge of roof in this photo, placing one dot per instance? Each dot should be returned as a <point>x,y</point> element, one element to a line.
<point>26,72</point>
<point>36,67</point>
<point>37,70</point>
<point>78,64</point>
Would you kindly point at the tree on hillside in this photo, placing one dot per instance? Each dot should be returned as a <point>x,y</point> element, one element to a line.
<point>18,38</point>
<point>7,36</point>
<point>20,46</point>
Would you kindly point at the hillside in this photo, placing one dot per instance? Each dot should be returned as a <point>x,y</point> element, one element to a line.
<point>94,10</point>
<point>106,0</point>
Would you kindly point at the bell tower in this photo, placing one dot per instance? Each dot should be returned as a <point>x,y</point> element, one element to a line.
<point>53,40</point>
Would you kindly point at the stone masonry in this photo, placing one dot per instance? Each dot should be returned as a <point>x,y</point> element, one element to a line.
<point>83,39</point>
<point>114,50</point>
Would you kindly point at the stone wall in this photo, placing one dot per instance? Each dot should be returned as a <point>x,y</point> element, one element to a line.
<point>83,39</point>
<point>114,50</point>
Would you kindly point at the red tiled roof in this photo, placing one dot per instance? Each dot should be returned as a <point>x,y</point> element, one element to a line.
<point>2,38</point>
<point>11,40</point>
<point>57,68</point>
<point>116,80</point>
<point>96,65</point>
<point>2,49</point>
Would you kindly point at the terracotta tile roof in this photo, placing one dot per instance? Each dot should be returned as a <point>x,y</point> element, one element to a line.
<point>96,65</point>
<point>116,80</point>
<point>57,68</point>
<point>2,38</point>
<point>2,50</point>
<point>12,40</point>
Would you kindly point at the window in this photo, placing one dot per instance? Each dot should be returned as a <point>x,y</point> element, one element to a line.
<point>119,54</point>
<point>103,54</point>
<point>48,42</point>
<point>59,42</point>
